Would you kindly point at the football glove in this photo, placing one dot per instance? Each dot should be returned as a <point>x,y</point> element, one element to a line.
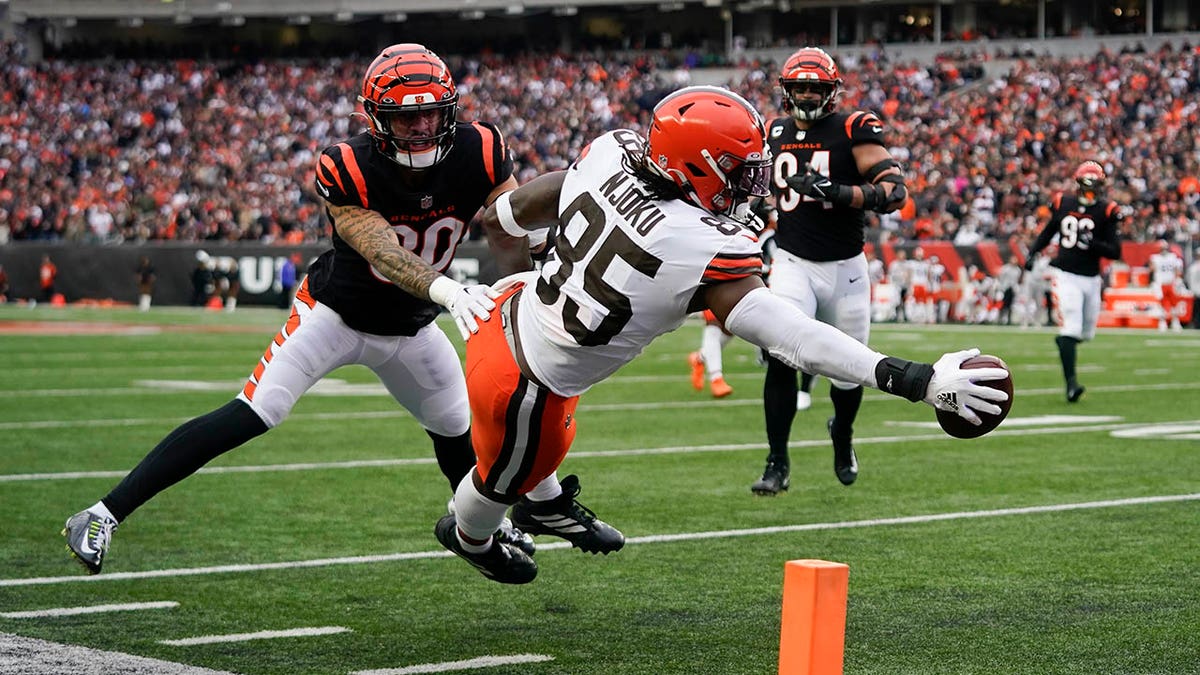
<point>810,183</point>
<point>953,389</point>
<point>467,304</point>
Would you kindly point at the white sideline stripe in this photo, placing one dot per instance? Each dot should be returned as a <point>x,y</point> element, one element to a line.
<point>372,390</point>
<point>91,609</point>
<point>911,520</point>
<point>586,407</point>
<point>469,664</point>
<point>42,656</point>
<point>650,539</point>
<point>1014,422</point>
<point>260,635</point>
<point>632,452</point>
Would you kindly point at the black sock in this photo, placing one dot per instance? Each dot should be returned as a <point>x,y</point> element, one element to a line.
<point>779,406</point>
<point>806,380</point>
<point>190,446</point>
<point>846,403</point>
<point>455,456</point>
<point>1066,352</point>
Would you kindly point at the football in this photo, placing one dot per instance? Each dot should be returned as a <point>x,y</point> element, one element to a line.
<point>958,427</point>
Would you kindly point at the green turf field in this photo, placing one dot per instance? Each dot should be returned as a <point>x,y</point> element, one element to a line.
<point>1065,542</point>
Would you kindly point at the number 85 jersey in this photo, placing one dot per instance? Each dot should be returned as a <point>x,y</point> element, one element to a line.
<point>624,269</point>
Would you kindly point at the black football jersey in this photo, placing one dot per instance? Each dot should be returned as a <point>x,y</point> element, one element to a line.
<point>1085,234</point>
<point>812,229</point>
<point>430,220</point>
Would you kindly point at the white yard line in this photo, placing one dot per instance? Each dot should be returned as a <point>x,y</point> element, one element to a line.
<point>374,389</point>
<point>647,539</point>
<point>585,407</point>
<point>1005,430</point>
<point>23,656</point>
<point>260,635</point>
<point>90,609</point>
<point>1009,428</point>
<point>468,664</point>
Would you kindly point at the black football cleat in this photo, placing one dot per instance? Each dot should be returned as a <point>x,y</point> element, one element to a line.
<point>565,517</point>
<point>88,536</point>
<point>502,562</point>
<point>507,533</point>
<point>845,462</point>
<point>1075,392</point>
<point>513,536</point>
<point>776,478</point>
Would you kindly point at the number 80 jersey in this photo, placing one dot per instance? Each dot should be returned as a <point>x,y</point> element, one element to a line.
<point>624,269</point>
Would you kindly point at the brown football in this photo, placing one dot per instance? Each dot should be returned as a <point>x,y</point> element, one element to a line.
<point>958,427</point>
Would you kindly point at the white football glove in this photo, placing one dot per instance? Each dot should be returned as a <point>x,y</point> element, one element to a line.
<point>953,388</point>
<point>467,304</point>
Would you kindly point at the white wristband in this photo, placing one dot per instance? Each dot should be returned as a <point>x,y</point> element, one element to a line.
<point>505,215</point>
<point>508,222</point>
<point>443,289</point>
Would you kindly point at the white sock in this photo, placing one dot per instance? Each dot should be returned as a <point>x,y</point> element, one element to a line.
<point>101,510</point>
<point>546,490</point>
<point>478,517</point>
<point>144,303</point>
<point>710,350</point>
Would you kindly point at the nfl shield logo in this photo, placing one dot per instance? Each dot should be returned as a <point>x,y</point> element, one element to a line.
<point>427,201</point>
<point>800,135</point>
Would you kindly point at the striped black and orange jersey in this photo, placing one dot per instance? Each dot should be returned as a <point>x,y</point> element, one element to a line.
<point>429,211</point>
<point>1085,234</point>
<point>808,228</point>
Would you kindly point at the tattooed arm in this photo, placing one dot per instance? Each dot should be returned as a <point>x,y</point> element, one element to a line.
<point>369,234</point>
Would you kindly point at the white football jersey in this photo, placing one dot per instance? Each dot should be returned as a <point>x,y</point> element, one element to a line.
<point>1166,268</point>
<point>918,272</point>
<point>899,274</point>
<point>623,270</point>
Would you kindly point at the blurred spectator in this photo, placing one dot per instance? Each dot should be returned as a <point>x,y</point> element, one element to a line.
<point>1008,280</point>
<point>47,274</point>
<point>209,150</point>
<point>203,282</point>
<point>1193,281</point>
<point>228,282</point>
<point>145,277</point>
<point>288,273</point>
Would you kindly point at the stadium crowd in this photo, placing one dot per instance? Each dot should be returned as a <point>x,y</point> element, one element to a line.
<point>112,150</point>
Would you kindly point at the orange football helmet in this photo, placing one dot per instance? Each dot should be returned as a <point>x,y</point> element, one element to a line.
<point>1089,180</point>
<point>811,84</point>
<point>411,105</point>
<point>712,144</point>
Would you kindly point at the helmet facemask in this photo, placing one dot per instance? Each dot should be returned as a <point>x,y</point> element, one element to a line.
<point>800,102</point>
<point>417,135</point>
<point>811,84</point>
<point>411,105</point>
<point>744,180</point>
<point>1089,181</point>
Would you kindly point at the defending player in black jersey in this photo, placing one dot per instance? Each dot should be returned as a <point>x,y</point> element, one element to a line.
<point>830,169</point>
<point>1087,230</point>
<point>399,197</point>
